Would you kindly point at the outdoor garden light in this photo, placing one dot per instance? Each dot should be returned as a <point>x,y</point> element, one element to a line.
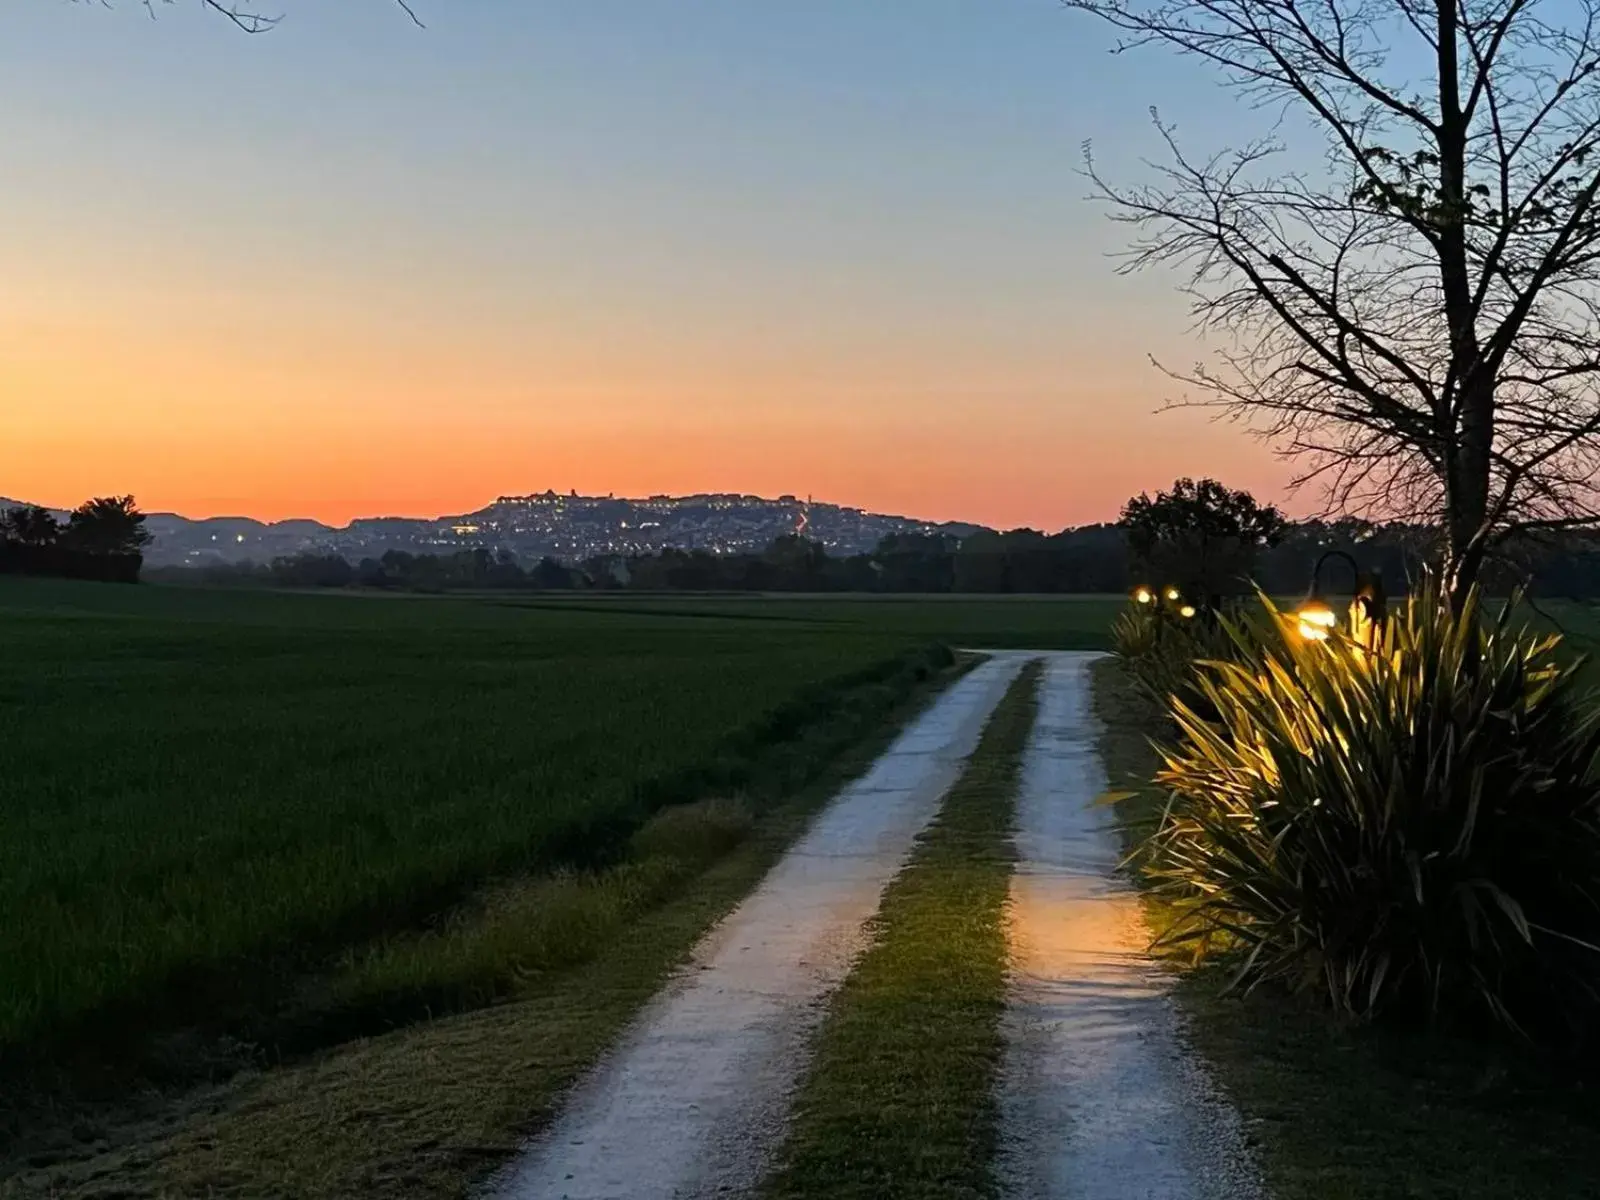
<point>1368,609</point>
<point>1186,611</point>
<point>1143,595</point>
<point>1173,594</point>
<point>1316,619</point>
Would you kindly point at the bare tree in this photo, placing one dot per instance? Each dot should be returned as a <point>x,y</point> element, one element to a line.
<point>1417,319</point>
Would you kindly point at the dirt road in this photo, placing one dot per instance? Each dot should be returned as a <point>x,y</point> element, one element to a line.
<point>1101,1100</point>
<point>693,1100</point>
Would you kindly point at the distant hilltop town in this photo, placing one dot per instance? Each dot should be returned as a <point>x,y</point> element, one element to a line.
<point>568,527</point>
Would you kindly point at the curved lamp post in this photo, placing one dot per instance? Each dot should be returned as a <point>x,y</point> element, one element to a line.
<point>1368,608</point>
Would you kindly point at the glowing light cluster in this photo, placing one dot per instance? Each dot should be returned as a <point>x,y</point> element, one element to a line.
<point>1173,596</point>
<point>1316,621</point>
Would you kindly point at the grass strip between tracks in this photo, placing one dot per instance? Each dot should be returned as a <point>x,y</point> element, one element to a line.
<point>899,1101</point>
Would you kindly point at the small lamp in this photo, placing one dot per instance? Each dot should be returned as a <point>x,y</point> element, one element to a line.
<point>1186,611</point>
<point>1173,594</point>
<point>1368,609</point>
<point>1317,618</point>
<point>1143,595</point>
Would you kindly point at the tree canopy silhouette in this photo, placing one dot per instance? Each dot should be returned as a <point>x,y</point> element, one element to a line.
<point>29,525</point>
<point>1201,536</point>
<point>1418,316</point>
<point>107,525</point>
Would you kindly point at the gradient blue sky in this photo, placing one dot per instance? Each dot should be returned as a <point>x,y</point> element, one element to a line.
<point>837,247</point>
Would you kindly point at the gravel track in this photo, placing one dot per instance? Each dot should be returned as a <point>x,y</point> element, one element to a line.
<point>1100,1098</point>
<point>693,1100</point>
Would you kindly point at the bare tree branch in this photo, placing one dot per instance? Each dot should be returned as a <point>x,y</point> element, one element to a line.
<point>1418,322</point>
<point>251,20</point>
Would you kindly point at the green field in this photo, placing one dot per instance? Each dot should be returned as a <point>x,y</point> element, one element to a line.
<point>214,785</point>
<point>989,622</point>
<point>296,818</point>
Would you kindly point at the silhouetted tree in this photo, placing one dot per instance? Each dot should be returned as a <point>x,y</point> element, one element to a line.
<point>312,570</point>
<point>916,562</point>
<point>1418,316</point>
<point>797,562</point>
<point>29,525</point>
<point>504,571</point>
<point>551,575</point>
<point>106,525</point>
<point>1201,536</point>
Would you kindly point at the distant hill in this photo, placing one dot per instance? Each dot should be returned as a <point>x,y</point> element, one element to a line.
<point>60,513</point>
<point>565,526</point>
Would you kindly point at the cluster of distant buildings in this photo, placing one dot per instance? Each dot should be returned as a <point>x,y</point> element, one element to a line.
<point>568,527</point>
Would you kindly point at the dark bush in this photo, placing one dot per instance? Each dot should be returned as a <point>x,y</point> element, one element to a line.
<point>1162,648</point>
<point>1412,833</point>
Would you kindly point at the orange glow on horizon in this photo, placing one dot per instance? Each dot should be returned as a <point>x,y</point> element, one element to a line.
<point>334,425</point>
<point>753,249</point>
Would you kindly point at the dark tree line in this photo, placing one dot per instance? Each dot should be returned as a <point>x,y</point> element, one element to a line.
<point>477,568</point>
<point>1093,560</point>
<point>1209,541</point>
<point>102,539</point>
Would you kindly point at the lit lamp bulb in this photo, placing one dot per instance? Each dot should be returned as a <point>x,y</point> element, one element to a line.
<point>1173,593</point>
<point>1316,620</point>
<point>1186,611</point>
<point>1143,595</point>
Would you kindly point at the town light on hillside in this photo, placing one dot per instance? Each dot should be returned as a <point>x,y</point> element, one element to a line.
<point>1368,609</point>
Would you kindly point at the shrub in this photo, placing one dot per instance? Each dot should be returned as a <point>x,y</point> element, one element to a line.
<point>1413,832</point>
<point>1136,633</point>
<point>1162,648</point>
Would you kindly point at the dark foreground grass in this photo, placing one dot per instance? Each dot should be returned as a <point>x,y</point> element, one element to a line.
<point>430,1109</point>
<point>1341,1113</point>
<point>899,1101</point>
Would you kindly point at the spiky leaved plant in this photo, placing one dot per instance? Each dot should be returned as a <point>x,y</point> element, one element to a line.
<point>1136,632</point>
<point>1409,831</point>
<point>1162,648</point>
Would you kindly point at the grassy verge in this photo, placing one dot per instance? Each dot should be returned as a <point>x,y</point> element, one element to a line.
<point>1340,1113</point>
<point>426,1109</point>
<point>899,1101</point>
<point>517,929</point>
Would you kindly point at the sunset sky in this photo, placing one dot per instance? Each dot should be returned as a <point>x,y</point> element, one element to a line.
<point>351,267</point>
